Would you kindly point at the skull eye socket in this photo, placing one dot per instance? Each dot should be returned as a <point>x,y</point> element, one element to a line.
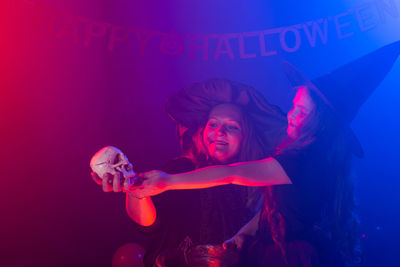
<point>127,167</point>
<point>117,159</point>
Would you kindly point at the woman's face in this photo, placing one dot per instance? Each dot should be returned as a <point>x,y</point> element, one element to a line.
<point>223,133</point>
<point>303,105</point>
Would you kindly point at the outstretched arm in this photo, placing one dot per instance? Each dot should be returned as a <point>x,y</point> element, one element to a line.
<point>254,173</point>
<point>141,211</point>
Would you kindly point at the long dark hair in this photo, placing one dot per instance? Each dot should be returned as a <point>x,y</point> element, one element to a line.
<point>340,222</point>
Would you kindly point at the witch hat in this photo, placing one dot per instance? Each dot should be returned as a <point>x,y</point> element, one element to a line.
<point>190,106</point>
<point>348,87</point>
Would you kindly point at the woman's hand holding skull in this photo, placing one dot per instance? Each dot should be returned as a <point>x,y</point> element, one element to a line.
<point>110,182</point>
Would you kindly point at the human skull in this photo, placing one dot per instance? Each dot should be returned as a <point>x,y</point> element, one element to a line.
<point>111,160</point>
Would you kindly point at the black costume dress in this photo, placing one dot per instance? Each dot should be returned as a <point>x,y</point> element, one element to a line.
<point>201,216</point>
<point>292,213</point>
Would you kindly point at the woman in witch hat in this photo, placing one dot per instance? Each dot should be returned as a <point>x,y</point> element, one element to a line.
<point>218,122</point>
<point>309,175</point>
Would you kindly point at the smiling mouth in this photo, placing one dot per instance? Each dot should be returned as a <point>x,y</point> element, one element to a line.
<point>221,143</point>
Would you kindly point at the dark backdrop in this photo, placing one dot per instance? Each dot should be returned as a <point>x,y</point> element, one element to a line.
<point>68,87</point>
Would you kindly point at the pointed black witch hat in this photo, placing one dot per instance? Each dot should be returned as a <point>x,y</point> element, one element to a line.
<point>348,87</point>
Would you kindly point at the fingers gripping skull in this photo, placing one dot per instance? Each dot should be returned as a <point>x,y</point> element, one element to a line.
<point>111,160</point>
